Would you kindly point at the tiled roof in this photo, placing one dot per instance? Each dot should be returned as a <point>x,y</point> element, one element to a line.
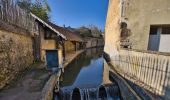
<point>71,36</point>
<point>63,32</point>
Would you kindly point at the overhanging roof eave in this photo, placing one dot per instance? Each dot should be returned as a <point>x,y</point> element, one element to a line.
<point>53,29</point>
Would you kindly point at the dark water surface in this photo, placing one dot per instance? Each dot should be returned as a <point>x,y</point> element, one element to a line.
<point>83,79</point>
<point>84,71</point>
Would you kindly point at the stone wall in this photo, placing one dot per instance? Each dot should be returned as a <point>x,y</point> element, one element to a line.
<point>16,54</point>
<point>69,46</point>
<point>112,29</point>
<point>150,70</point>
<point>88,44</point>
<point>46,44</point>
<point>139,16</point>
<point>94,42</point>
<point>100,42</point>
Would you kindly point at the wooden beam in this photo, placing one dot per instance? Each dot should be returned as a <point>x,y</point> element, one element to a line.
<point>58,33</point>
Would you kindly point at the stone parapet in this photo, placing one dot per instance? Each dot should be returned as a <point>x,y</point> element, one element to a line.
<point>149,70</point>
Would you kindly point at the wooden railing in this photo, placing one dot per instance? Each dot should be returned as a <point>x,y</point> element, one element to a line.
<point>12,14</point>
<point>150,70</point>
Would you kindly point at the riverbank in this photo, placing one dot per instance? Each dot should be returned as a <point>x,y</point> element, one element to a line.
<point>47,92</point>
<point>31,83</point>
<point>27,85</point>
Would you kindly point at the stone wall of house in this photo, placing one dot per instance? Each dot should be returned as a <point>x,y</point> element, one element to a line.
<point>46,44</point>
<point>16,54</point>
<point>94,42</point>
<point>100,42</point>
<point>112,28</point>
<point>69,46</point>
<point>140,15</point>
<point>150,69</point>
<point>88,44</point>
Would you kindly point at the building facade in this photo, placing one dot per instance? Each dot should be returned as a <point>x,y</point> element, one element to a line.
<point>146,23</point>
<point>73,42</point>
<point>142,26</point>
<point>46,38</point>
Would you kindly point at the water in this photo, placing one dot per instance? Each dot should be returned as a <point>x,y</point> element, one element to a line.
<point>106,92</point>
<point>85,70</point>
<point>83,79</point>
<point>112,92</point>
<point>88,94</point>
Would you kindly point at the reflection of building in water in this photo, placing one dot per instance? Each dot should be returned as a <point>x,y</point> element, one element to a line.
<point>96,51</point>
<point>106,69</point>
<point>83,60</point>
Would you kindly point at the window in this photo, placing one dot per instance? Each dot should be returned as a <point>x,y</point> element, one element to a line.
<point>47,35</point>
<point>166,30</point>
<point>153,30</point>
<point>163,29</point>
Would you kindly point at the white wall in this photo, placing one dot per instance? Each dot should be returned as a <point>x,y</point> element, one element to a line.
<point>164,43</point>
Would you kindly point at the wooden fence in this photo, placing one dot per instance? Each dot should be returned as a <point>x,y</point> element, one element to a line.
<point>12,14</point>
<point>147,69</point>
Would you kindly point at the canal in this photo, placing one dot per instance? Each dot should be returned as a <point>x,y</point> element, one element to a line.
<point>84,75</point>
<point>84,70</point>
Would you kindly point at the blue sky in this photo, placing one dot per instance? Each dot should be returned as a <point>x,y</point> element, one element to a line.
<point>76,13</point>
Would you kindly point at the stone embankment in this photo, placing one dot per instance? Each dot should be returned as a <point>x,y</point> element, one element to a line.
<point>16,54</point>
<point>47,92</point>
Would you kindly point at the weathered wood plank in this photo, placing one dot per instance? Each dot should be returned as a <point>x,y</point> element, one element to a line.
<point>11,13</point>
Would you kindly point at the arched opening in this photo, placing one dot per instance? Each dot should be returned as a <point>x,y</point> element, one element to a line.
<point>102,93</point>
<point>76,94</point>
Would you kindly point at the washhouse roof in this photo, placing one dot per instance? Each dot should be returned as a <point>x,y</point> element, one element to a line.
<point>48,25</point>
<point>70,36</point>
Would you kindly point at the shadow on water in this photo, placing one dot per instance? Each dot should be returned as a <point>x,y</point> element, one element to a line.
<point>83,77</point>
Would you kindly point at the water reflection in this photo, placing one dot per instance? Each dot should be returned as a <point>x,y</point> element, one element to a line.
<point>90,75</point>
<point>85,70</point>
<point>86,78</point>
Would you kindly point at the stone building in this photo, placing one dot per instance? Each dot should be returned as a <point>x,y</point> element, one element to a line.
<point>140,26</point>
<point>73,42</point>
<point>46,38</point>
<point>145,23</point>
<point>94,42</point>
<point>93,36</point>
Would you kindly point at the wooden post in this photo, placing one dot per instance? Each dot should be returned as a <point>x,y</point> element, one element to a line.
<point>37,45</point>
<point>75,46</point>
<point>64,51</point>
